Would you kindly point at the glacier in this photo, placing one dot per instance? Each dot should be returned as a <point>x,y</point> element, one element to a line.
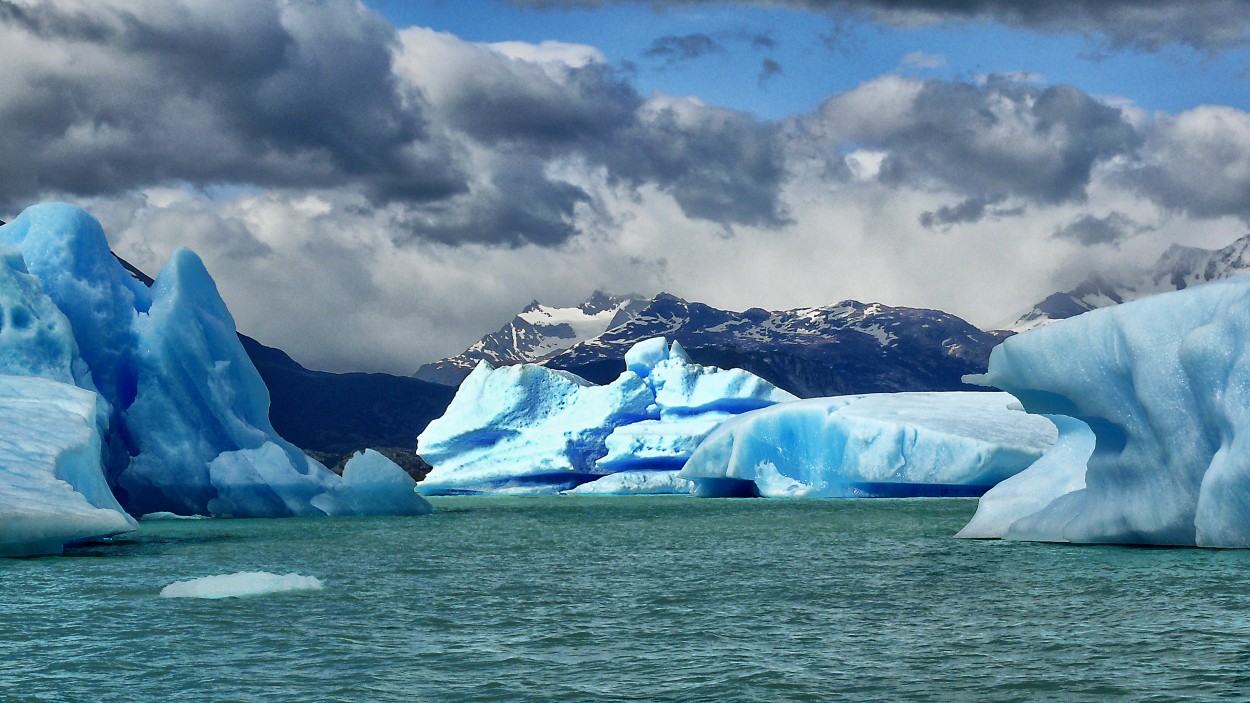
<point>874,445</point>
<point>529,429</point>
<point>177,415</point>
<point>1157,452</point>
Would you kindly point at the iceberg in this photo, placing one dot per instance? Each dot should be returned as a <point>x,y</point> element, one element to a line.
<point>373,485</point>
<point>52,487</point>
<point>876,445</point>
<point>244,583</point>
<point>526,429</point>
<point>181,414</point>
<point>1157,451</point>
<point>530,429</point>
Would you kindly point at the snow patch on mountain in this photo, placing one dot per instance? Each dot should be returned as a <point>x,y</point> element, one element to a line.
<point>1178,268</point>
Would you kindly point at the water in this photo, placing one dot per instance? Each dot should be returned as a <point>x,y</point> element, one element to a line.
<point>628,599</point>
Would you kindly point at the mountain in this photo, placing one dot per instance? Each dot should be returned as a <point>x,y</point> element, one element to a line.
<point>851,347</point>
<point>536,334</point>
<point>1179,267</point>
<point>333,415</point>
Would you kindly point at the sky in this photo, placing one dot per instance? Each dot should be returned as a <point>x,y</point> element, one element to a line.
<point>377,185</point>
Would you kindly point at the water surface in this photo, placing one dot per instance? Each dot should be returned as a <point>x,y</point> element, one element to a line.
<point>628,599</point>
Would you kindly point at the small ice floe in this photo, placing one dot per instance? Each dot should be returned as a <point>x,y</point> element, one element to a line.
<point>169,516</point>
<point>244,583</point>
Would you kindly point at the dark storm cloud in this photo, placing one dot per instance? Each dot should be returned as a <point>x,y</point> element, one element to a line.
<point>1091,230</point>
<point>719,165</point>
<point>673,48</point>
<point>102,98</point>
<point>1210,25</point>
<point>122,95</point>
<point>999,138</point>
<point>969,211</point>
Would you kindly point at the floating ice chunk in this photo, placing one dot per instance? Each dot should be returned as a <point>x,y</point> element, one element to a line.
<point>153,517</point>
<point>1163,383</point>
<point>52,486</point>
<point>635,483</point>
<point>373,485</point>
<point>889,444</point>
<point>244,583</point>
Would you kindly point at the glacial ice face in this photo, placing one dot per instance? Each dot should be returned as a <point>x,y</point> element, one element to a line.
<point>1163,384</point>
<point>1005,510</point>
<point>889,444</point>
<point>52,488</point>
<point>529,429</point>
<point>65,248</point>
<point>35,336</point>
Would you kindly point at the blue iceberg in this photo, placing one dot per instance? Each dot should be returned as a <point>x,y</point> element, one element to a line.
<point>1157,451</point>
<point>180,414</point>
<point>877,445</point>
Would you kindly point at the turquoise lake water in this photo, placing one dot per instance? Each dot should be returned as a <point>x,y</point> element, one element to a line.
<point>628,599</point>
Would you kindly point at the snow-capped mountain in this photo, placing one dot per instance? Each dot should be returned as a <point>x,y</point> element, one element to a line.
<point>850,347</point>
<point>538,333</point>
<point>1179,267</point>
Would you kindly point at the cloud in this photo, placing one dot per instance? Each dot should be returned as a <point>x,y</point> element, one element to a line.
<point>1208,26</point>
<point>968,211</point>
<point>1197,162</point>
<point>1090,230</point>
<point>1003,137</point>
<point>769,69</point>
<point>103,96</point>
<point>674,48</point>
<point>919,59</point>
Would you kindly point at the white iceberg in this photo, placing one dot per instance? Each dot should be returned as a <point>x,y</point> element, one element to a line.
<point>1163,386</point>
<point>238,585</point>
<point>626,483</point>
<point>877,445</point>
<point>526,429</point>
<point>530,429</point>
<point>52,487</point>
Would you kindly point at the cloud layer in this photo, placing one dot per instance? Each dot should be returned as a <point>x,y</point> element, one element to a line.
<point>373,198</point>
<point>1208,26</point>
